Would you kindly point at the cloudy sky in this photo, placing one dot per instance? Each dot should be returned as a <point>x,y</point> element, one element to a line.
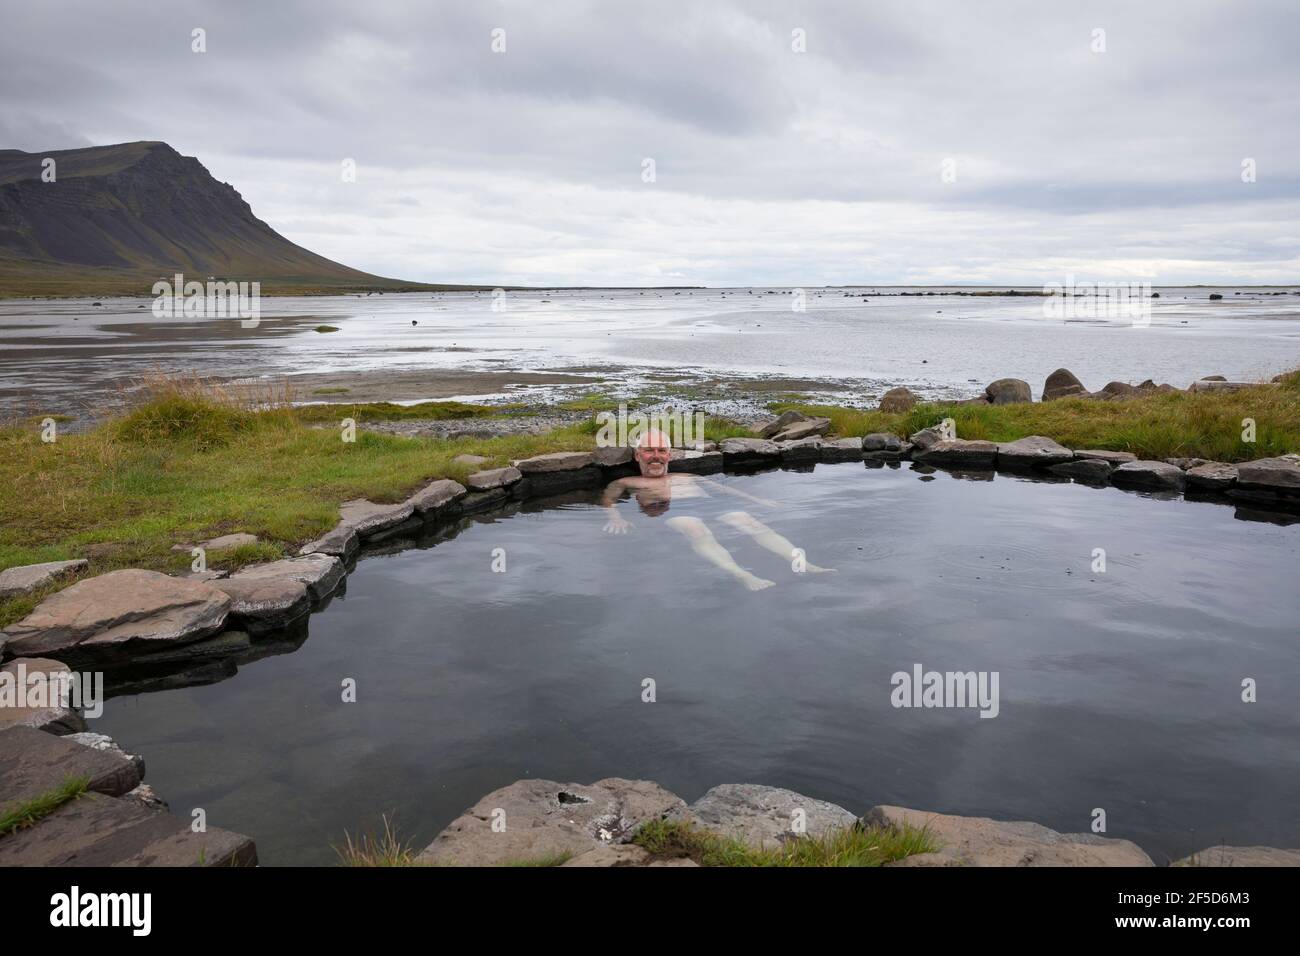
<point>1104,155</point>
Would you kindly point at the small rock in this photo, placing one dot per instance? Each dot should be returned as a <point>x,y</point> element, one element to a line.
<point>109,745</point>
<point>1241,856</point>
<point>780,423</point>
<point>53,713</point>
<point>1113,458</point>
<point>806,429</point>
<point>742,450</point>
<point>1277,475</point>
<point>27,578</point>
<point>435,496</point>
<point>883,441</point>
<point>842,449</point>
<point>805,449</point>
<point>762,816</point>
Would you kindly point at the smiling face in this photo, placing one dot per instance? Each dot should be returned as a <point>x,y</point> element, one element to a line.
<point>653,454</point>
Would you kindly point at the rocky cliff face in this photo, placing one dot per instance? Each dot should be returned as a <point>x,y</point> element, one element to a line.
<point>141,209</point>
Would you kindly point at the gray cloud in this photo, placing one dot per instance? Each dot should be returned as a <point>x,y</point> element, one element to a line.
<point>772,166</point>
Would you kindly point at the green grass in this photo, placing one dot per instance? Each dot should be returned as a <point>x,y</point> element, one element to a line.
<point>339,390</point>
<point>326,328</point>
<point>848,846</point>
<point>30,812</point>
<point>1176,424</point>
<point>180,468</point>
<point>390,412</point>
<point>371,849</point>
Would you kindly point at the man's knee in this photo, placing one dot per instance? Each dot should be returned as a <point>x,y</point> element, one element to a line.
<point>742,520</point>
<point>690,526</point>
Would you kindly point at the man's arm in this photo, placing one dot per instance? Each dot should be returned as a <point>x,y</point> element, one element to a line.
<point>609,501</point>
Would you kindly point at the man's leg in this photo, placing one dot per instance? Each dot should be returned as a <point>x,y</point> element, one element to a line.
<point>744,521</point>
<point>705,545</point>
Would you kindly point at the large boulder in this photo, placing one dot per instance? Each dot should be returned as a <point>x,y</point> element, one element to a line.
<point>923,439</point>
<point>1008,391</point>
<point>111,617</point>
<point>536,819</point>
<point>969,454</point>
<point>1034,451</point>
<point>1158,475</point>
<point>29,577</point>
<point>766,816</point>
<point>979,841</point>
<point>1062,384</point>
<point>898,400</point>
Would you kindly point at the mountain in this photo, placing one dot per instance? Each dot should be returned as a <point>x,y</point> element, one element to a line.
<point>117,218</point>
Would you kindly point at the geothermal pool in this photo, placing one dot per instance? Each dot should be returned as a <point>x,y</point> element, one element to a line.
<point>1119,690</point>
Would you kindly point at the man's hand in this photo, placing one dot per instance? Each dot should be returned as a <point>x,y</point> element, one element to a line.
<point>616,525</point>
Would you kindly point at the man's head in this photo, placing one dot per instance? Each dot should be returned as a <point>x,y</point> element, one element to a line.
<point>653,452</point>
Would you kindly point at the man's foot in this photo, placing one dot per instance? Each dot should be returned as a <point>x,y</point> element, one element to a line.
<point>755,583</point>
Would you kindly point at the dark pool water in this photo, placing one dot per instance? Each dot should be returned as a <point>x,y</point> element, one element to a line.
<point>1119,690</point>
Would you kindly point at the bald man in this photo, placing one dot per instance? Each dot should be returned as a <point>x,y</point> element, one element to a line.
<point>655,488</point>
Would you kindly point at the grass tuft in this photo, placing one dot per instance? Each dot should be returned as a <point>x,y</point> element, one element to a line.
<point>30,812</point>
<point>847,846</point>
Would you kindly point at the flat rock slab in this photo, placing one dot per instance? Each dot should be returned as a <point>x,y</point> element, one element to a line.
<point>766,816</point>
<point>493,478</point>
<point>977,454</point>
<point>1148,474</point>
<point>1241,856</point>
<point>225,541</point>
<point>36,763</point>
<point>97,830</point>
<point>805,449</point>
<point>685,461</point>
<point>29,577</point>
<point>1279,475</point>
<point>115,615</point>
<point>1212,476</point>
<point>555,461</point>
<point>741,450</point>
<point>367,518</point>
<point>979,841</point>
<point>842,449</point>
<point>342,542</point>
<point>1034,451</point>
<point>436,495</point>
<point>108,745</point>
<point>1114,458</point>
<point>272,595</point>
<point>543,818</point>
<point>48,712</point>
<point>1083,469</point>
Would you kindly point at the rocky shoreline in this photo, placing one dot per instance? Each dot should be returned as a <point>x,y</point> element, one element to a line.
<point>596,825</point>
<point>174,631</point>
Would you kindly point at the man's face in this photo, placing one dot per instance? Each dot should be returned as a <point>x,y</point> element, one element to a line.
<point>653,455</point>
